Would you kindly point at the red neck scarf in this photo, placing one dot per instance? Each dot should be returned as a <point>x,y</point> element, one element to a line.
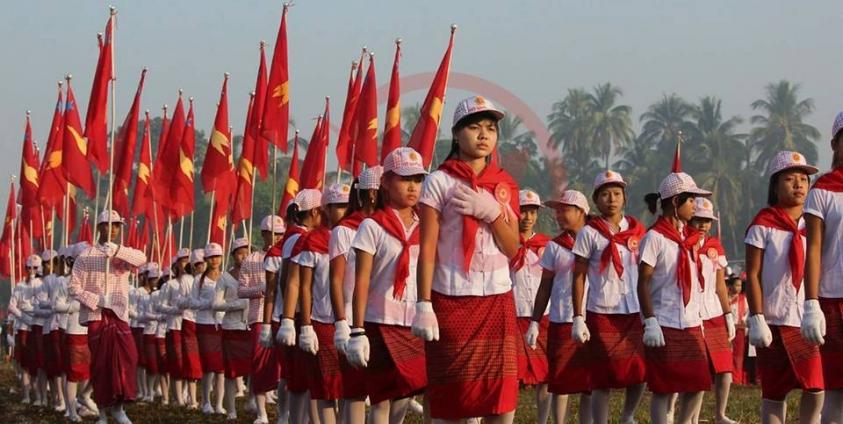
<point>664,227</point>
<point>353,221</point>
<point>565,240</point>
<point>778,219</point>
<point>314,241</point>
<point>711,248</point>
<point>277,248</point>
<point>534,243</point>
<point>492,179</point>
<point>628,238</point>
<point>831,181</point>
<point>393,226</point>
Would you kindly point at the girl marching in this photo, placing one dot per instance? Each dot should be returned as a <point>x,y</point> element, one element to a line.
<point>208,334</point>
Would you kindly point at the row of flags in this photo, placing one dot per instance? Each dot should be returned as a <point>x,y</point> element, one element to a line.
<point>164,182</point>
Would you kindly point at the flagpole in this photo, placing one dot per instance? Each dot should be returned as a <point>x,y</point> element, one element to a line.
<point>12,264</point>
<point>274,176</point>
<point>190,235</point>
<point>53,229</point>
<point>181,233</point>
<point>109,197</point>
<point>44,230</point>
<point>65,225</point>
<point>253,177</point>
<point>212,212</point>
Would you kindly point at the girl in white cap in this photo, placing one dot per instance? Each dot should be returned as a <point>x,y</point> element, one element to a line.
<point>363,201</point>
<point>465,309</point>
<point>208,333</point>
<point>669,290</point>
<point>20,305</point>
<point>526,274</point>
<point>386,246</point>
<point>148,318</point>
<point>606,253</point>
<point>568,359</point>
<point>191,360</point>
<point>718,321</point>
<point>775,258</point>
<point>168,306</point>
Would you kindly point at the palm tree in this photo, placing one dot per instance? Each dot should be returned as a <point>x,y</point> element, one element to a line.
<point>571,127</point>
<point>780,125</point>
<point>665,119</point>
<point>611,125</point>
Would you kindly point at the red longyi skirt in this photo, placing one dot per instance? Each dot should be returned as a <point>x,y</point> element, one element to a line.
<point>210,347</point>
<point>237,353</point>
<point>568,359</point>
<point>325,379</point>
<point>21,338</point>
<point>137,334</point>
<point>53,359</point>
<point>832,349</point>
<point>716,336</point>
<point>150,353</point>
<point>192,363</point>
<point>78,359</point>
<point>616,350</point>
<point>790,362</point>
<point>266,371</point>
<point>681,366</point>
<point>532,363</point>
<point>113,360</point>
<point>35,350</point>
<point>396,367</point>
<point>161,347</point>
<point>174,354</point>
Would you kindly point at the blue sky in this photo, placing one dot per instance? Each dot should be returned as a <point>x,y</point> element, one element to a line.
<point>536,49</point>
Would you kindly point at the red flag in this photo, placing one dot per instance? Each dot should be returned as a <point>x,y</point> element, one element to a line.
<point>677,156</point>
<point>28,195</point>
<point>143,238</point>
<point>218,168</point>
<point>23,247</point>
<point>85,233</point>
<point>423,138</point>
<point>260,156</point>
<point>276,111</point>
<point>6,239</point>
<point>125,153</point>
<point>345,140</point>
<point>292,186</point>
<point>70,219</point>
<point>392,124</point>
<point>75,147</point>
<point>219,217</point>
<point>366,142</point>
<point>52,183</point>
<point>313,169</point>
<point>132,236</point>
<point>141,201</point>
<point>167,160</point>
<point>182,190</point>
<point>162,136</point>
<point>245,171</point>
<point>96,120</point>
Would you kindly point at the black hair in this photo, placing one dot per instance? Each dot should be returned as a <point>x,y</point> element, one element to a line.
<point>359,198</point>
<point>464,122</point>
<point>652,200</point>
<point>292,213</point>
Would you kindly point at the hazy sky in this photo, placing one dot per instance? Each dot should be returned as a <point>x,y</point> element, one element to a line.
<point>535,49</point>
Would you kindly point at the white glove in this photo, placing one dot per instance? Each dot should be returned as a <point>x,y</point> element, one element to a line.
<point>286,335</point>
<point>357,350</point>
<point>237,305</point>
<point>579,331</point>
<point>10,340</point>
<point>653,336</point>
<point>342,332</point>
<point>266,335</point>
<point>109,248</point>
<point>183,303</point>
<point>481,205</point>
<point>532,336</point>
<point>813,322</point>
<point>308,341</point>
<point>759,332</point>
<point>425,324</point>
<point>730,325</point>
<point>26,307</point>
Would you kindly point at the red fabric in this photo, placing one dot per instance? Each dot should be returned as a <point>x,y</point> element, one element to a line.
<point>568,362</point>
<point>535,243</point>
<point>366,138</point>
<point>686,247</point>
<point>393,226</point>
<point>276,111</point>
<point>711,244</point>
<point>217,168</point>
<point>52,184</point>
<point>78,360</point>
<point>353,221</point>
<point>347,128</point>
<point>291,188</point>
<point>716,337</point>
<point>113,360</point>
<point>53,361</point>
<point>191,363</point>
<point>96,120</point>
<point>489,178</point>
<point>313,166</point>
<point>295,368</point>
<point>266,370</point>
<point>831,181</point>
<point>314,241</point>
<point>565,240</point>
<point>276,249</point>
<point>778,219</point>
<point>259,155</point>
<point>35,349</point>
<point>74,148</point>
<point>532,363</point>
<point>150,351</point>
<point>396,367</point>
<point>616,350</point>
<point>174,354</point>
<point>237,353</point>
<point>137,335</point>
<point>124,153</point>
<point>22,348</point>
<point>210,348</point>
<point>632,235</point>
<point>161,348</point>
<point>789,363</point>
<point>680,366</point>
<point>246,168</point>
<point>392,123</point>
<point>325,379</point>
<point>738,357</point>
<point>472,370</point>
<point>832,349</point>
<point>354,379</point>
<point>141,200</point>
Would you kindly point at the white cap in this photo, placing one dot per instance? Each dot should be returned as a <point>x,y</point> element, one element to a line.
<point>197,255</point>
<point>336,194</point>
<point>153,270</point>
<point>143,268</point>
<point>308,199</point>
<point>112,217</point>
<point>472,105</point>
<point>33,261</point>
<point>608,177</point>
<point>79,248</point>
<point>704,209</point>
<point>370,178</point>
<point>528,198</point>
<point>49,255</point>
<point>181,253</point>
<point>166,272</point>
<point>238,243</point>
<point>790,160</point>
<point>677,183</point>
<point>838,125</point>
<point>213,249</point>
<point>273,223</point>
<point>572,198</point>
<point>64,251</point>
<point>404,161</point>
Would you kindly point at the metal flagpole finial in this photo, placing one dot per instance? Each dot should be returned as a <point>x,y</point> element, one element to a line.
<point>112,10</point>
<point>453,28</point>
<point>164,108</point>
<point>145,70</point>
<point>353,65</point>
<point>60,83</point>
<point>251,94</point>
<point>398,41</point>
<point>190,99</point>
<point>371,55</point>
<point>14,177</point>
<point>28,112</point>
<point>180,92</point>
<point>365,49</point>
<point>226,74</point>
<point>68,77</point>
<point>327,98</point>
<point>262,44</point>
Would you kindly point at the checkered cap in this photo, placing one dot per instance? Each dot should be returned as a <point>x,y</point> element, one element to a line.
<point>166,272</point>
<point>472,105</point>
<point>370,178</point>
<point>153,270</point>
<point>33,261</point>
<point>182,253</point>
<point>273,223</point>
<point>703,208</point>
<point>336,193</point>
<point>143,268</point>
<point>790,160</point>
<point>608,177</point>
<point>65,251</point>
<point>197,255</point>
<point>79,248</point>
<point>48,255</point>
<point>213,249</point>
<point>404,161</point>
<point>112,217</point>
<point>838,125</point>
<point>528,198</point>
<point>572,198</point>
<point>308,199</point>
<point>677,183</point>
<point>238,243</point>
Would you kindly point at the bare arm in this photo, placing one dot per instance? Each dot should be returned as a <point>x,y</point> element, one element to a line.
<point>336,275</point>
<point>543,295</point>
<point>645,274</point>
<point>269,297</point>
<point>306,293</point>
<point>754,264</point>
<point>813,257</point>
<point>362,278</point>
<point>291,291</point>
<point>722,291</point>
<point>429,238</point>
<point>578,285</point>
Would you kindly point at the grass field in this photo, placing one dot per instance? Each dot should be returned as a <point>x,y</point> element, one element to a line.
<point>744,405</point>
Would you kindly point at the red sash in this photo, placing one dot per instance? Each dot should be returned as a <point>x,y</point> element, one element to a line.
<point>686,247</point>
<point>628,238</point>
<point>393,226</point>
<point>490,178</point>
<point>353,221</point>
<point>831,181</point>
<point>778,219</point>
<point>565,240</point>
<point>277,248</point>
<point>711,247</point>
<point>314,241</point>
<point>535,243</point>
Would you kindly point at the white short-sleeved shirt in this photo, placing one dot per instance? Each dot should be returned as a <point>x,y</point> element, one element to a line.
<point>74,327</point>
<point>226,293</point>
<point>489,273</point>
<point>382,307</point>
<point>711,307</point>
<point>321,310</point>
<point>150,323</point>
<point>560,261</point>
<point>340,244</point>
<point>187,282</point>
<point>58,289</point>
<point>828,206</point>
<point>204,297</point>
<point>133,307</point>
<point>51,323</point>
<point>525,283</point>
<point>38,293</point>
<point>609,293</point>
<point>783,304</point>
<point>275,264</point>
<point>668,306</point>
<point>169,300</point>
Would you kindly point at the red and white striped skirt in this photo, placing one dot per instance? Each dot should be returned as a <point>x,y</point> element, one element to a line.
<point>790,362</point>
<point>237,353</point>
<point>716,336</point>
<point>210,347</point>
<point>681,366</point>
<point>569,370</point>
<point>616,350</point>
<point>532,363</point>
<point>396,367</point>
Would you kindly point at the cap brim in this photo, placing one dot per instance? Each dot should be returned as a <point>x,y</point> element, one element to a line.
<point>410,172</point>
<point>699,192</point>
<point>707,215</point>
<point>494,112</point>
<point>810,170</point>
<point>620,183</point>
